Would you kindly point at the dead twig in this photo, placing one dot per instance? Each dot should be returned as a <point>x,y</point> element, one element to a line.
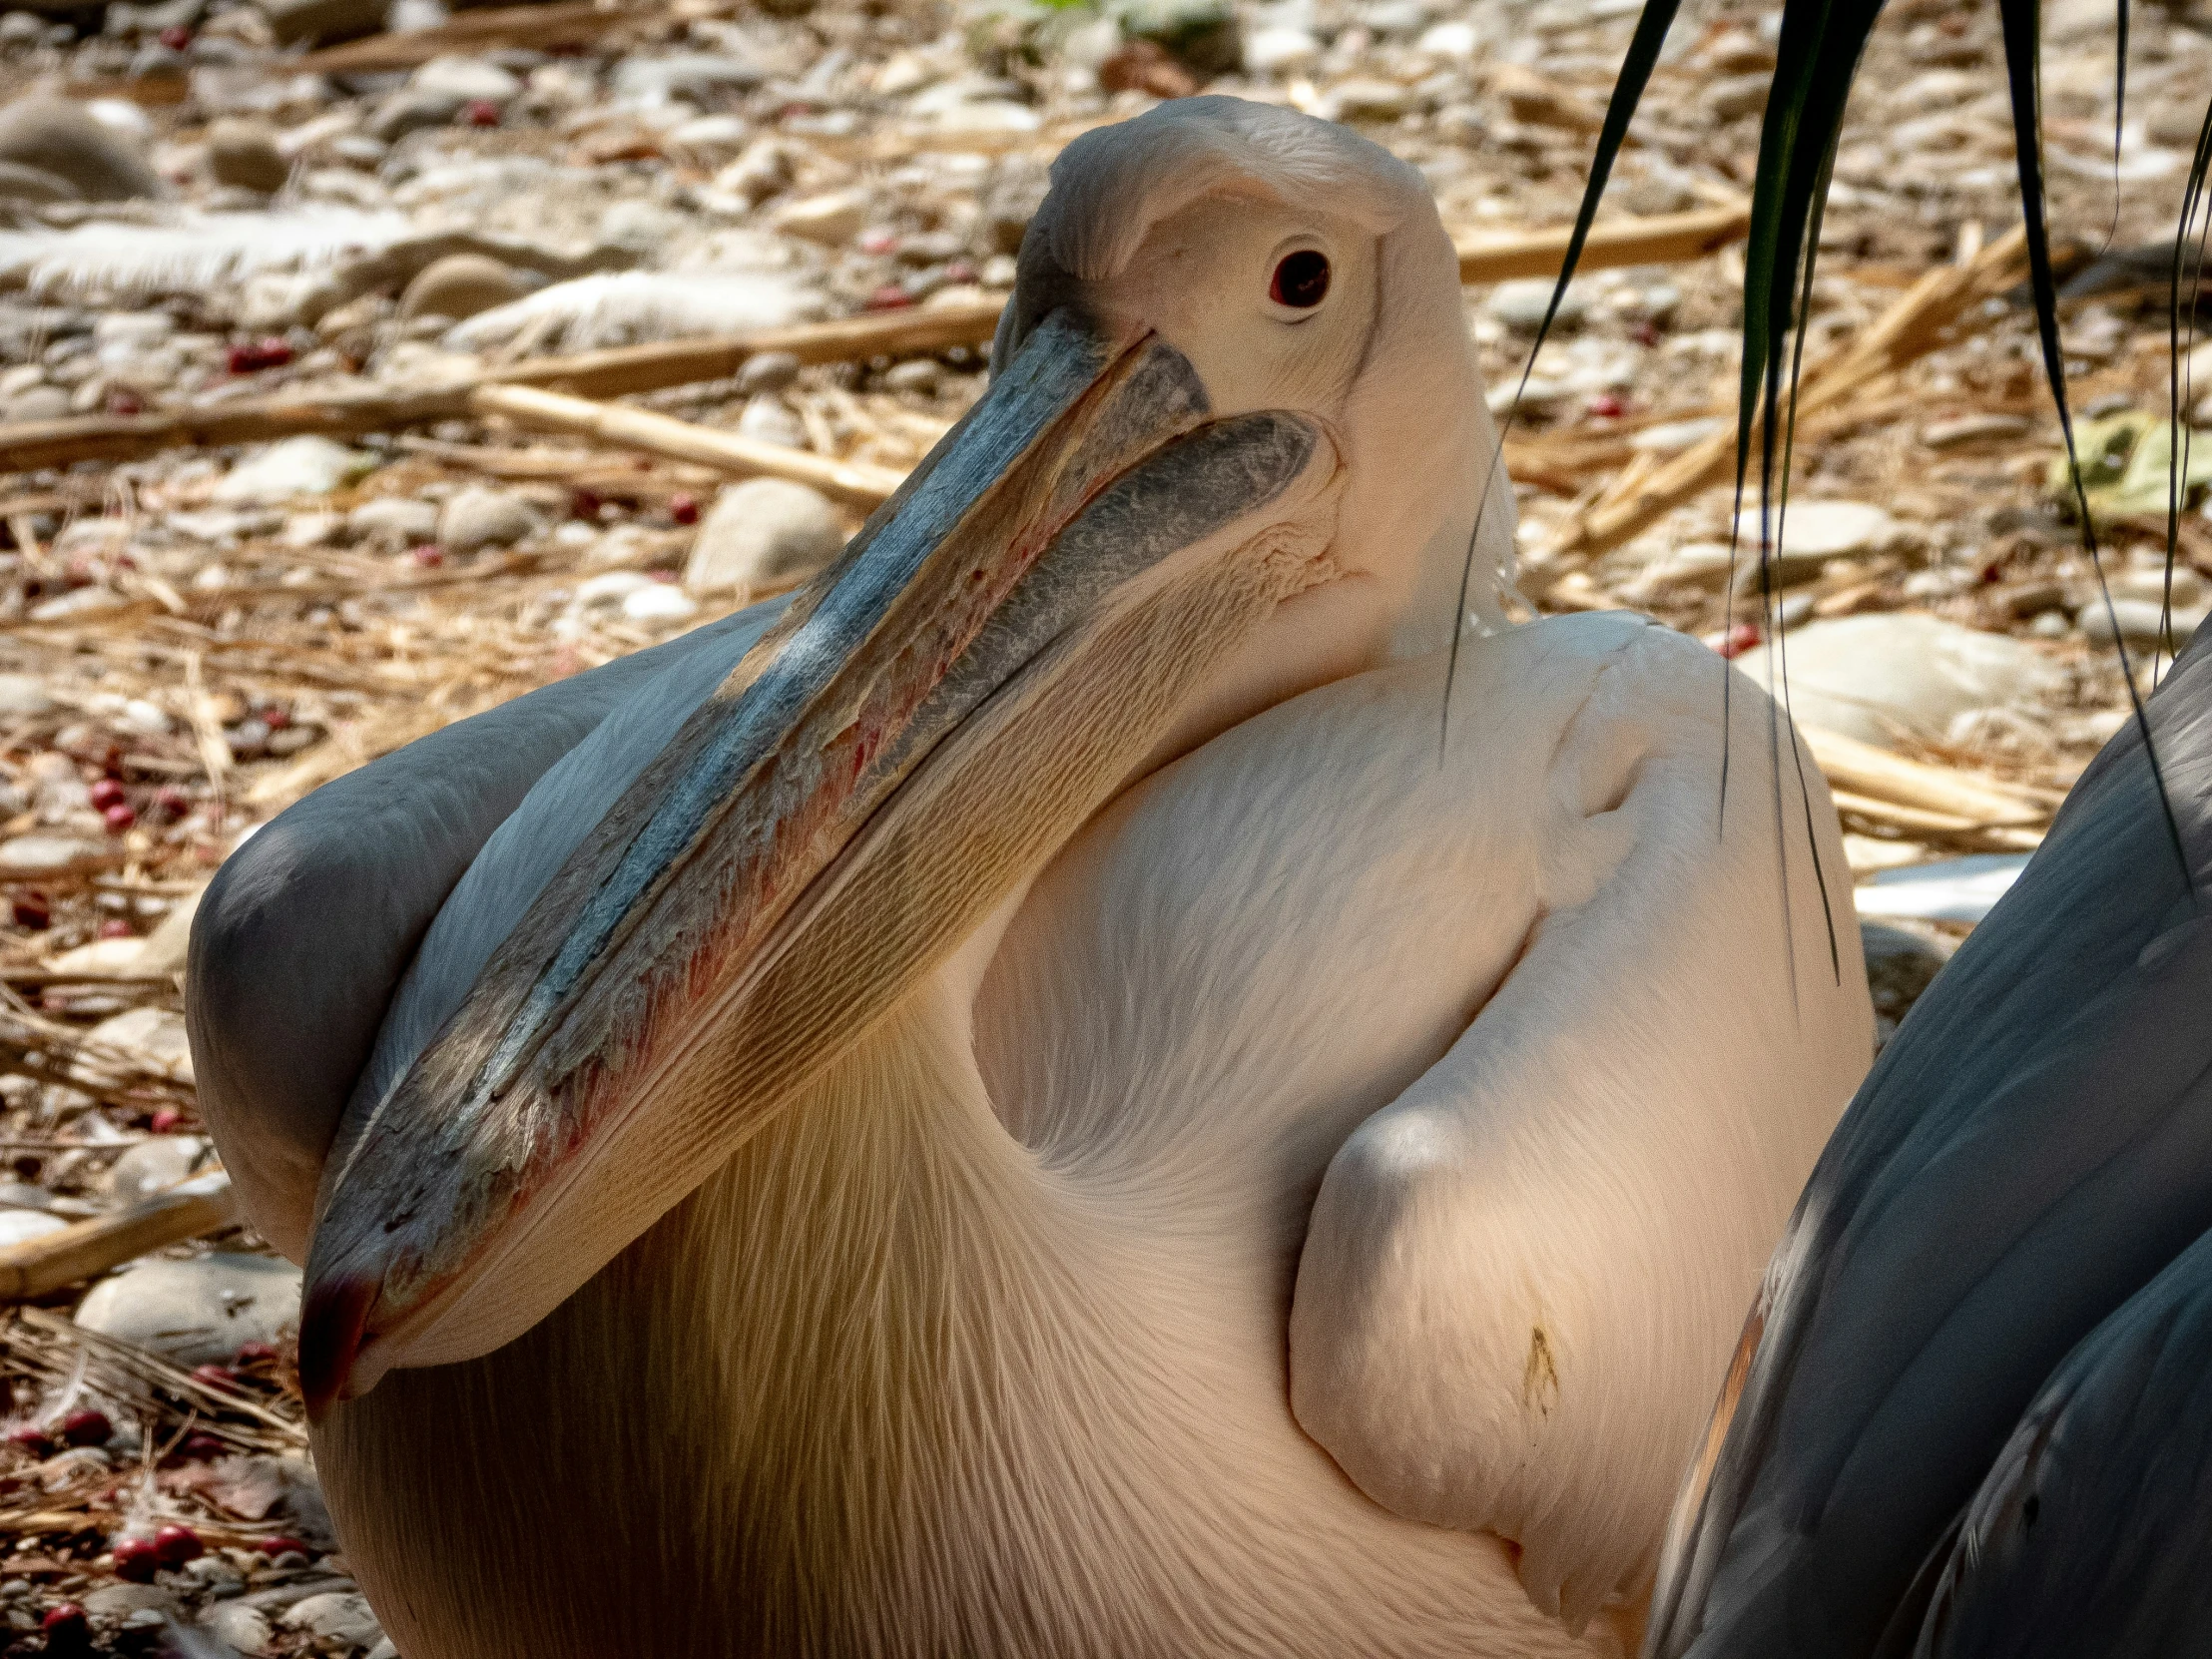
<point>88,1248</point>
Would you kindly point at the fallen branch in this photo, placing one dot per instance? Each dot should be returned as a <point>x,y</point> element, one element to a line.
<point>28,446</point>
<point>1907,330</point>
<point>683,440</point>
<point>90,1247</point>
<point>541,28</point>
<point>1669,239</point>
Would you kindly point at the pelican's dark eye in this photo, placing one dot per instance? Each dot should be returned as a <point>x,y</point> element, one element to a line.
<point>1301,280</point>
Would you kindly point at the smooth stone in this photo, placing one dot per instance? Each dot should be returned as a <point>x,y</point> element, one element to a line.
<point>31,857</point>
<point>115,1601</point>
<point>766,420</point>
<point>1520,305</point>
<point>22,1225</point>
<point>20,1195</point>
<point>2141,621</point>
<point>1896,674</point>
<point>767,372</point>
<point>1453,37</point>
<point>55,136</point>
<point>413,109</point>
<point>921,375</point>
<point>335,1615</point>
<point>458,286</point>
<point>39,403</point>
<point>610,587</point>
<point>1371,100</point>
<point>291,469</point>
<point>394,522</point>
<point>659,604</point>
<point>764,532</point>
<point>101,958</point>
<point>695,77</point>
<point>155,1166</point>
<point>480,517</point>
<point>154,1036</point>
<point>1813,532</point>
<point>1955,889</point>
<point>831,219</point>
<point>469,79</point>
<point>196,1312</point>
<point>1960,430</point>
<point>245,1628</point>
<point>23,697</point>
<point>640,226</point>
<point>1202,33</point>
<point>1276,50</point>
<point>242,152</point>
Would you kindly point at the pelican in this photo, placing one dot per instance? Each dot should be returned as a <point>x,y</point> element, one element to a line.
<point>1043,1097</point>
<point>1967,1419</point>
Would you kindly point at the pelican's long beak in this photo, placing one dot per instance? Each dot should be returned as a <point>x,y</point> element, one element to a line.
<point>990,662</point>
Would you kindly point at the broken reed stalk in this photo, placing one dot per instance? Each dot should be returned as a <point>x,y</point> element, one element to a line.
<point>542,28</point>
<point>29,445</point>
<point>88,1248</point>
<point>1960,801</point>
<point>1667,238</point>
<point>854,482</point>
<point>1908,330</point>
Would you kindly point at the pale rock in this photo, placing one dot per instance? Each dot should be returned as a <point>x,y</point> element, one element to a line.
<point>695,77</point>
<point>1279,51</point>
<point>460,285</point>
<point>710,136</point>
<point>56,136</point>
<point>1958,432</point>
<point>29,858</point>
<point>610,588</point>
<point>465,80</point>
<point>1520,305</point>
<point>2141,621</point>
<point>23,697</point>
<point>292,21</point>
<point>660,605</point>
<point>22,1225</point>
<point>152,1036</point>
<point>20,1195</point>
<point>335,1615</point>
<point>1812,532</point>
<point>480,517</point>
<point>116,1601</point>
<point>196,1312</point>
<point>394,523</point>
<point>242,152</point>
<point>163,951</point>
<point>920,375</point>
<point>762,533</point>
<point>764,371</point>
<point>245,1628</point>
<point>1898,674</point>
<point>1454,38</point>
<point>292,468</point>
<point>39,403</point>
<point>412,109</point>
<point>153,1166</point>
<point>833,220</point>
<point>641,227</point>
<point>1371,100</point>
<point>764,419</point>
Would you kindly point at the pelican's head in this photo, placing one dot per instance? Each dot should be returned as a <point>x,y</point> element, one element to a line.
<point>1233,448</point>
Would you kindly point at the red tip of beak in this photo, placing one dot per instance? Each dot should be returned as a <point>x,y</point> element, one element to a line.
<point>330,1327</point>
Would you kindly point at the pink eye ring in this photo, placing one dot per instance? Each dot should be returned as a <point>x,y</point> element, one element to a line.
<point>1301,280</point>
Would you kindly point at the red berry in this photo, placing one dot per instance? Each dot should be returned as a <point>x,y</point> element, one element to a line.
<point>583,504</point>
<point>276,717</point>
<point>176,37</point>
<point>683,509</point>
<point>86,1426</point>
<point>125,403</point>
<point>959,270</point>
<point>172,802</point>
<point>1741,639</point>
<point>200,1447</point>
<point>480,112</point>
<point>104,793</point>
<point>218,1376</point>
<point>115,928</point>
<point>1605,407</point>
<point>271,353</point>
<point>119,817</point>
<point>251,1352</point>
<point>175,1545</point>
<point>890,297</point>
<point>878,242</point>
<point>165,1120</point>
<point>67,1629</point>
<point>33,913</point>
<point>29,1437</point>
<point>137,1560</point>
<point>1645,333</point>
<point>428,555</point>
<point>282,1546</point>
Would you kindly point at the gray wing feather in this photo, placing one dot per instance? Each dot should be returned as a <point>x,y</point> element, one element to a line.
<point>2092,1535</point>
<point>2033,1147</point>
<point>307,929</point>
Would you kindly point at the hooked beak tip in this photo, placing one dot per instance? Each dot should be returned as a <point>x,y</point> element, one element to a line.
<point>331,1324</point>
